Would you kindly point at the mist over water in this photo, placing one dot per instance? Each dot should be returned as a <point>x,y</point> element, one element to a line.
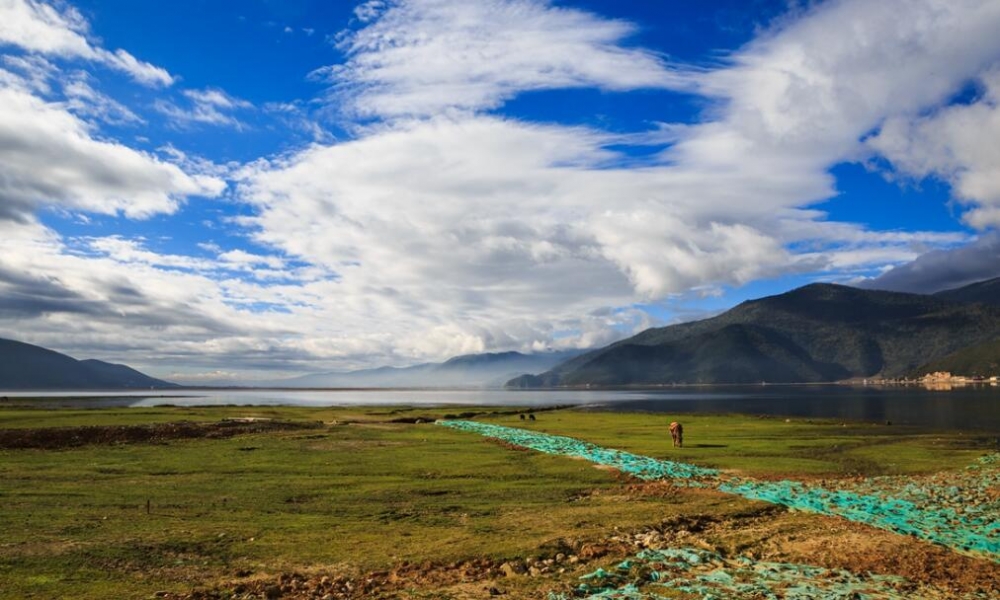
<point>971,408</point>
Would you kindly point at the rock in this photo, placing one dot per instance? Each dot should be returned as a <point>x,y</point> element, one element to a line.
<point>573,559</point>
<point>534,571</point>
<point>272,592</point>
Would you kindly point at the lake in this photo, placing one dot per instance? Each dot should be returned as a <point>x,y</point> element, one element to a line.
<point>971,408</point>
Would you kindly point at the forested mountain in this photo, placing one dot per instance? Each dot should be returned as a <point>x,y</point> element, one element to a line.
<point>820,332</point>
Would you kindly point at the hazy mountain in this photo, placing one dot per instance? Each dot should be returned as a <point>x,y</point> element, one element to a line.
<point>468,371</point>
<point>820,332</point>
<point>27,367</point>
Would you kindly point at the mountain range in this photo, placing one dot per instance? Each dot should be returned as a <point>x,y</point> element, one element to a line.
<point>488,370</point>
<point>27,367</point>
<point>816,333</point>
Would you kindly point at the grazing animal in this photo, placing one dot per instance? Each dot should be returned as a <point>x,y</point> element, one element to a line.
<point>677,434</point>
<point>522,416</point>
<point>531,417</point>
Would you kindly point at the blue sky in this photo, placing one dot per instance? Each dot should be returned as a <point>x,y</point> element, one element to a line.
<point>212,193</point>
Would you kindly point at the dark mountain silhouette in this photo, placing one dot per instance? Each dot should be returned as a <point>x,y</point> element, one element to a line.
<point>987,292</point>
<point>488,370</point>
<point>820,332</point>
<point>27,367</point>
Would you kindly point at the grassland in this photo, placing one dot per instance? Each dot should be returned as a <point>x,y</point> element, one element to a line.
<point>368,490</point>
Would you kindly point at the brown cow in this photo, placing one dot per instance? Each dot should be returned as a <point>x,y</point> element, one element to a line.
<point>677,434</point>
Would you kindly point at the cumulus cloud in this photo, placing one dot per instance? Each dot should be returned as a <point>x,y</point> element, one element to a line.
<point>484,230</point>
<point>444,228</point>
<point>423,57</point>
<point>51,159</point>
<point>957,144</point>
<point>460,223</point>
<point>61,31</point>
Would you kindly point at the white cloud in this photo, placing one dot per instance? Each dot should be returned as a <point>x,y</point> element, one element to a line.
<point>805,93</point>
<point>455,231</point>
<point>119,299</point>
<point>956,143</point>
<point>40,27</point>
<point>31,72</point>
<point>208,106</point>
<point>51,159</point>
<point>492,233</point>
<point>442,230</point>
<point>422,57</point>
<point>82,99</point>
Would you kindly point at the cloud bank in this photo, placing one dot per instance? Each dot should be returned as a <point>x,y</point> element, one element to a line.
<point>443,225</point>
<point>452,211</point>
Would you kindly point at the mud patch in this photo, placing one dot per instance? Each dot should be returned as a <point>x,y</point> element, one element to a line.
<point>51,438</point>
<point>654,572</point>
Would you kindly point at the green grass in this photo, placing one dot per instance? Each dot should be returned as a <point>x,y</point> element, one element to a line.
<point>368,494</point>
<point>765,446</point>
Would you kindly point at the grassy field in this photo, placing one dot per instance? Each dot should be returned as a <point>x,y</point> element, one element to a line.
<point>357,492</point>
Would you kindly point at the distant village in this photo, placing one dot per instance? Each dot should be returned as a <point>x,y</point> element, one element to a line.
<point>940,380</point>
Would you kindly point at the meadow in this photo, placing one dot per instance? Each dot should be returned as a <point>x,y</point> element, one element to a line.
<point>386,497</point>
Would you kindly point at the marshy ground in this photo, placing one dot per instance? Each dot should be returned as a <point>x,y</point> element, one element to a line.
<point>238,502</point>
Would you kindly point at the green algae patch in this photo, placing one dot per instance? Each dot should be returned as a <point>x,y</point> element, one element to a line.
<point>642,467</point>
<point>961,512</point>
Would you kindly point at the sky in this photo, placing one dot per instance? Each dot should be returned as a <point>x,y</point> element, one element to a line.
<point>232,192</point>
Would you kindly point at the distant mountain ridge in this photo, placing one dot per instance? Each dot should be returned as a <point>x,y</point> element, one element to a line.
<point>28,367</point>
<point>816,333</point>
<point>487,370</point>
<point>985,292</point>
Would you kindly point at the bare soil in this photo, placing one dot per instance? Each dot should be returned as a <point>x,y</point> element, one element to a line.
<point>766,532</point>
<point>54,438</point>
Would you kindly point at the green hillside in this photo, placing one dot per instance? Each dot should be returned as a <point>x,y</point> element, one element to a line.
<point>981,360</point>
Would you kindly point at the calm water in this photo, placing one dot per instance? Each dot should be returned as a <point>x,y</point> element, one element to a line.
<point>971,408</point>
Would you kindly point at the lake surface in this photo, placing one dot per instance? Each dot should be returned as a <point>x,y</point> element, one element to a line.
<point>970,408</point>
